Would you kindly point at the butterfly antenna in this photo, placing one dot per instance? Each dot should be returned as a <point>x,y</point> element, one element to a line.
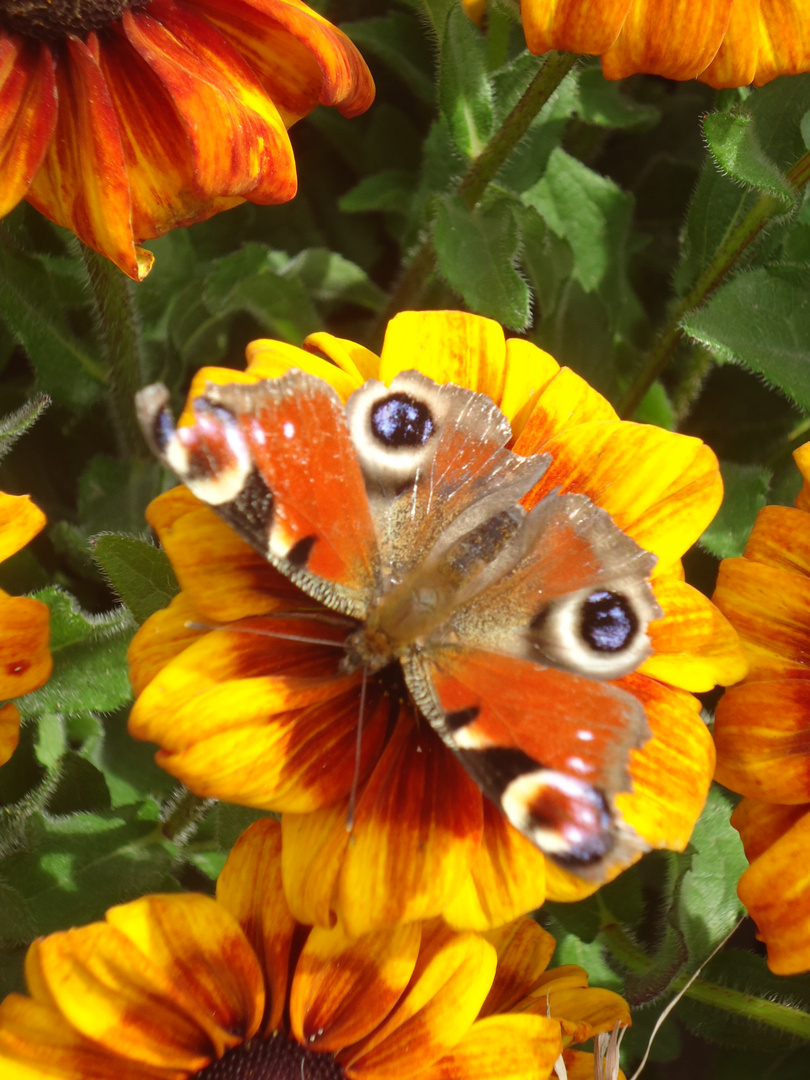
<point>357,745</point>
<point>265,633</point>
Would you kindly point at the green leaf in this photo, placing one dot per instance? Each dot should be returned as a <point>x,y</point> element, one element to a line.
<point>89,659</point>
<point>610,105</point>
<point>465,92</point>
<point>732,138</point>
<point>331,279</point>
<point>762,319</point>
<point>17,423</point>
<point>68,369</point>
<point>476,251</point>
<point>745,490</point>
<point>390,190</point>
<point>140,573</point>
<point>398,41</point>
<point>114,494</point>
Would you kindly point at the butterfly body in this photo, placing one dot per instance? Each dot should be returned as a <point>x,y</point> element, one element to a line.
<point>402,510</point>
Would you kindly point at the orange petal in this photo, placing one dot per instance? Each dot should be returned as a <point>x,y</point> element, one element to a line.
<point>239,144</point>
<point>524,951</point>
<point>450,982</point>
<point>312,854</point>
<point>82,183</point>
<point>583,1011</point>
<point>512,1047</point>
<point>25,662</point>
<point>762,733</point>
<point>447,346</point>
<point>343,988</point>
<point>223,576</point>
<point>776,891</point>
<point>20,521</point>
<point>300,58</point>
<point>668,38</point>
<point>108,990</point>
<point>695,647</point>
<point>9,731</point>
<point>661,488</point>
<point>529,370</point>
<point>250,888</point>
<point>781,537</point>
<point>578,26</point>
<point>768,607</point>
<point>565,402</point>
<point>36,1042</point>
<point>761,824</point>
<point>507,878</point>
<point>582,1066</point>
<point>27,114</point>
<point>416,830</point>
<point>163,636</point>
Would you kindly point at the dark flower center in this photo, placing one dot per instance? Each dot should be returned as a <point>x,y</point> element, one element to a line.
<point>50,20</point>
<point>276,1058</point>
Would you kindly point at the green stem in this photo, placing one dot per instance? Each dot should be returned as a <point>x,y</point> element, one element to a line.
<point>120,335</point>
<point>475,181</point>
<point>182,812</point>
<point>729,252</point>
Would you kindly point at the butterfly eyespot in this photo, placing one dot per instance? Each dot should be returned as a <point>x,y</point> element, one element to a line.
<point>608,622</point>
<point>400,420</point>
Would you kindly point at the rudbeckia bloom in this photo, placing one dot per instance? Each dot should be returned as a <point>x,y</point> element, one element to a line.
<point>723,43</point>
<point>25,662</point>
<point>122,120</point>
<point>273,723</point>
<point>184,987</point>
<point>762,726</point>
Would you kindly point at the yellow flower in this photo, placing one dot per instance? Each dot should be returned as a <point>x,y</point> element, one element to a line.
<point>274,724</point>
<point>720,42</point>
<point>181,986</point>
<point>122,120</point>
<point>25,662</point>
<point>762,727</point>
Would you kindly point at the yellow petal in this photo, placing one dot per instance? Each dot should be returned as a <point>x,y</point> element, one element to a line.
<point>529,370</point>
<point>358,362</point>
<point>163,636</point>
<point>447,346</point>
<point>312,854</point>
<point>524,951</point>
<point>512,1047</point>
<point>25,660</point>
<point>565,402</point>
<point>20,521</point>
<point>9,731</point>
<point>270,359</point>
<point>695,647</point>
<point>250,889</point>
<point>343,988</point>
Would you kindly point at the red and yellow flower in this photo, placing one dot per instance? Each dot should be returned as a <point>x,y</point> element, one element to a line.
<point>25,662</point>
<point>273,725</point>
<point>182,986</point>
<point>762,727</point>
<point>723,43</point>
<point>121,119</point>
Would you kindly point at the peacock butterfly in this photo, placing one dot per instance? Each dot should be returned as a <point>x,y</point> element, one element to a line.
<point>402,511</point>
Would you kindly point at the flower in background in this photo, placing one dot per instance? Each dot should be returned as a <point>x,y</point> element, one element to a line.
<point>762,726</point>
<point>182,986</point>
<point>723,43</point>
<point>273,724</point>
<point>122,120</point>
<point>25,662</point>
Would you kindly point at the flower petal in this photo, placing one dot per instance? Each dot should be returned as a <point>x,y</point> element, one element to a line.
<point>768,607</point>
<point>27,114</point>
<point>163,636</point>
<point>763,41</point>
<point>343,988</point>
<point>695,647</point>
<point>447,346</point>
<point>507,878</point>
<point>36,1042</point>
<point>529,370</point>
<point>25,661</point>
<point>582,1066</point>
<point>268,359</point>
<point>450,982</point>
<point>358,362</point>
<point>524,951</point>
<point>578,26</point>
<point>82,183</point>
<point>312,854</point>
<point>511,1047</point>
<point>782,913</point>
<point>565,402</point>
<point>781,537</point>
<point>761,824</point>
<point>416,830</point>
<point>583,1011</point>
<point>661,488</point>
<point>250,888</point>
<point>762,733</point>
<point>20,521</point>
<point>9,731</point>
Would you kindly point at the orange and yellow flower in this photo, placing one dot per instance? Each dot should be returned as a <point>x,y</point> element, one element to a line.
<point>181,986</point>
<point>273,724</point>
<point>762,727</point>
<point>122,120</point>
<point>25,662</point>
<point>723,43</point>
